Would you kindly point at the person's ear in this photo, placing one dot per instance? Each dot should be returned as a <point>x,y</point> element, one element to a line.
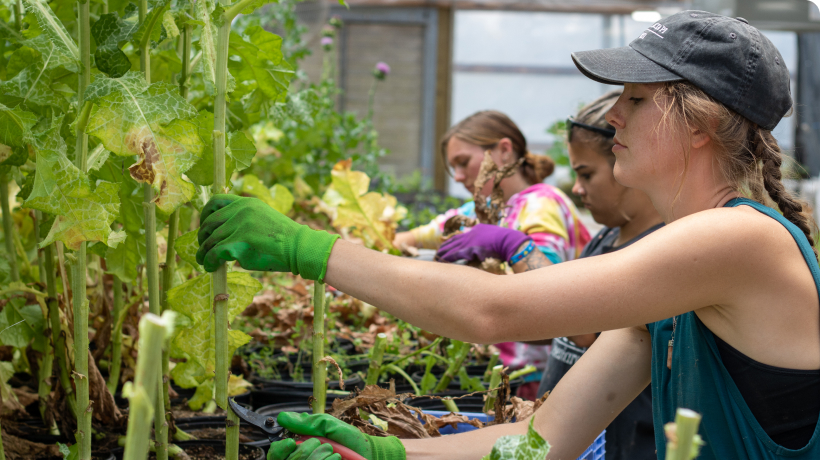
<point>699,138</point>
<point>506,150</point>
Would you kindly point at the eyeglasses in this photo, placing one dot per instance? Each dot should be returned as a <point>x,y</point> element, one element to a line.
<point>602,131</point>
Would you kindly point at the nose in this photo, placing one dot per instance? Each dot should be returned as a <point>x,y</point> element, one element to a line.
<point>459,175</point>
<point>613,116</point>
<point>577,188</point>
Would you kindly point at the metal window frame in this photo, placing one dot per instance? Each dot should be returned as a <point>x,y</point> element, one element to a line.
<point>426,17</point>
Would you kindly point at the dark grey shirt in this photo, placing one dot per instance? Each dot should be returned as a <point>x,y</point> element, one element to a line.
<point>631,436</point>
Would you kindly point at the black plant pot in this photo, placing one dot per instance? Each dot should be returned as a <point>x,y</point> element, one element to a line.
<point>353,381</point>
<point>191,426</point>
<point>209,418</point>
<point>275,395</point>
<point>34,430</point>
<point>273,410</point>
<point>455,384</point>
<point>190,447</point>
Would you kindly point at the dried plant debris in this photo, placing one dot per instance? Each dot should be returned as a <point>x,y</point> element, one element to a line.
<point>454,224</point>
<point>489,210</point>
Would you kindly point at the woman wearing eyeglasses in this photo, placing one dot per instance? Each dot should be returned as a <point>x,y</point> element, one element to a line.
<point>541,211</point>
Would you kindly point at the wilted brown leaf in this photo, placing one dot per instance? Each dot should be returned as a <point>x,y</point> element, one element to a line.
<point>491,212</point>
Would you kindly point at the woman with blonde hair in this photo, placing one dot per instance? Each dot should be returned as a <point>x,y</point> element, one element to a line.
<point>719,309</point>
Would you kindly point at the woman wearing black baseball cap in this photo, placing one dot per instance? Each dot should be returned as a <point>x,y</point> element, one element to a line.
<point>738,281</point>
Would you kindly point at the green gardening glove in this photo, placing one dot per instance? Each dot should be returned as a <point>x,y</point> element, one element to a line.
<point>311,449</point>
<point>260,238</point>
<point>327,426</point>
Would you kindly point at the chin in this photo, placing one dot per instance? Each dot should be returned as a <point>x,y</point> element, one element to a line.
<point>622,175</point>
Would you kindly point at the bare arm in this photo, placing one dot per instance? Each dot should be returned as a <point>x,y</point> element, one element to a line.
<point>597,388</point>
<point>650,280</point>
<point>404,239</point>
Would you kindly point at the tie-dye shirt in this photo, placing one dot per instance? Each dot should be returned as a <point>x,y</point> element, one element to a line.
<point>550,218</point>
<point>541,211</point>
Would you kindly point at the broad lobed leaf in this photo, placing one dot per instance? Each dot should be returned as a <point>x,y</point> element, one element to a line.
<point>520,447</point>
<point>59,188</point>
<point>132,118</point>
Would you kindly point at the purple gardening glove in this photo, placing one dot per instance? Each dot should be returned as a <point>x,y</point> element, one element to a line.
<point>481,242</point>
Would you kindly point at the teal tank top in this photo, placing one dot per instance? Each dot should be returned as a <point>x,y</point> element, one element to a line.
<point>699,381</point>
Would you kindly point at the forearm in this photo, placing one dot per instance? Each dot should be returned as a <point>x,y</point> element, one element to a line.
<point>533,261</point>
<point>472,445</point>
<point>594,391</point>
<point>433,296</point>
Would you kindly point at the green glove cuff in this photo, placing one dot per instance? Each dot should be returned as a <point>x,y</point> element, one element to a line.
<point>312,250</point>
<point>389,448</point>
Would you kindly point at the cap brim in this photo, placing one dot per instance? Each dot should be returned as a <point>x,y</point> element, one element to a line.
<point>616,66</point>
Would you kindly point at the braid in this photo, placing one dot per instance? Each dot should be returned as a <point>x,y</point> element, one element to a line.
<point>767,151</point>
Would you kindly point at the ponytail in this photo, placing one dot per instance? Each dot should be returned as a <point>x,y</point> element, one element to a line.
<point>536,168</point>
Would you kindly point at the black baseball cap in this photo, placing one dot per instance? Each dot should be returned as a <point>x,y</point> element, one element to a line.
<point>725,57</point>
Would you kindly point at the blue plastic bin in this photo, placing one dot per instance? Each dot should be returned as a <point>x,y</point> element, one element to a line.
<point>593,452</point>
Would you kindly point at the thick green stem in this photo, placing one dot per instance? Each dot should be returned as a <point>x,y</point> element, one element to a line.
<point>143,392</point>
<point>493,361</point>
<point>220,277</point>
<point>682,439</point>
<point>57,338</point>
<point>18,15</point>
<point>80,300</point>
<point>455,365</point>
<point>168,283</point>
<point>47,360</point>
<point>528,369</point>
<point>450,405</point>
<point>116,338</point>
<point>376,357</point>
<point>319,366</point>
<point>495,381</point>
<point>8,227</point>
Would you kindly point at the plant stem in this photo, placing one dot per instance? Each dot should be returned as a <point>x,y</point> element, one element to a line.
<point>528,369</point>
<point>495,380</point>
<point>57,337</point>
<point>143,392</point>
<point>376,356</point>
<point>398,370</point>
<point>116,338</point>
<point>80,301</point>
<point>455,365</point>
<point>319,368</point>
<point>167,284</point>
<point>18,15</point>
<point>493,361</point>
<point>8,227</point>
<point>47,360</point>
<point>683,442</point>
<point>417,352</point>
<point>220,277</point>
<point>450,405</point>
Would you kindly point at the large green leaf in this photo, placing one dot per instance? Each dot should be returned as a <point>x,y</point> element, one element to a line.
<point>151,28</point>
<point>34,84</point>
<point>186,246</point>
<point>132,118</point>
<point>111,32</point>
<point>193,300</point>
<point>203,9</point>
<point>65,50</point>
<point>15,134</point>
<point>262,68</point>
<point>83,213</point>
<point>520,447</point>
<point>122,260</point>
<point>239,152</point>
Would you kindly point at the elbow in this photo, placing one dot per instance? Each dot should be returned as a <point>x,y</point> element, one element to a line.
<point>489,325</point>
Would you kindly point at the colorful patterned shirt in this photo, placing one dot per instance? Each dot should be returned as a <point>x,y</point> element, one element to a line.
<point>541,211</point>
<point>550,218</point>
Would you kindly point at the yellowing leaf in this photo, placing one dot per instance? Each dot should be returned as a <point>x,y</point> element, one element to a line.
<point>193,299</point>
<point>278,197</point>
<point>132,118</point>
<point>370,216</point>
<point>59,188</point>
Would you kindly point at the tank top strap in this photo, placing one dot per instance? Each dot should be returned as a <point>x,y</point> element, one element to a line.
<point>797,234</point>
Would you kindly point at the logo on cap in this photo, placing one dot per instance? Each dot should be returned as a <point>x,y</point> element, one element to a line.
<point>661,29</point>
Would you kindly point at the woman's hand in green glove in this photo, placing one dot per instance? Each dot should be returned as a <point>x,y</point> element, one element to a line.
<point>260,238</point>
<point>369,447</point>
<point>311,449</point>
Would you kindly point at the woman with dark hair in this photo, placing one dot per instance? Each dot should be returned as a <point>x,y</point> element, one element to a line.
<point>719,309</point>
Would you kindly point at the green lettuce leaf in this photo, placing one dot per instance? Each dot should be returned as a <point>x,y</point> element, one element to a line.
<point>51,29</point>
<point>520,447</point>
<point>193,300</point>
<point>83,213</point>
<point>132,118</point>
<point>111,32</point>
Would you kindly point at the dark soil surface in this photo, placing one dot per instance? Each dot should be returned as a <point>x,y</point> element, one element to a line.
<point>219,433</point>
<point>211,453</point>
